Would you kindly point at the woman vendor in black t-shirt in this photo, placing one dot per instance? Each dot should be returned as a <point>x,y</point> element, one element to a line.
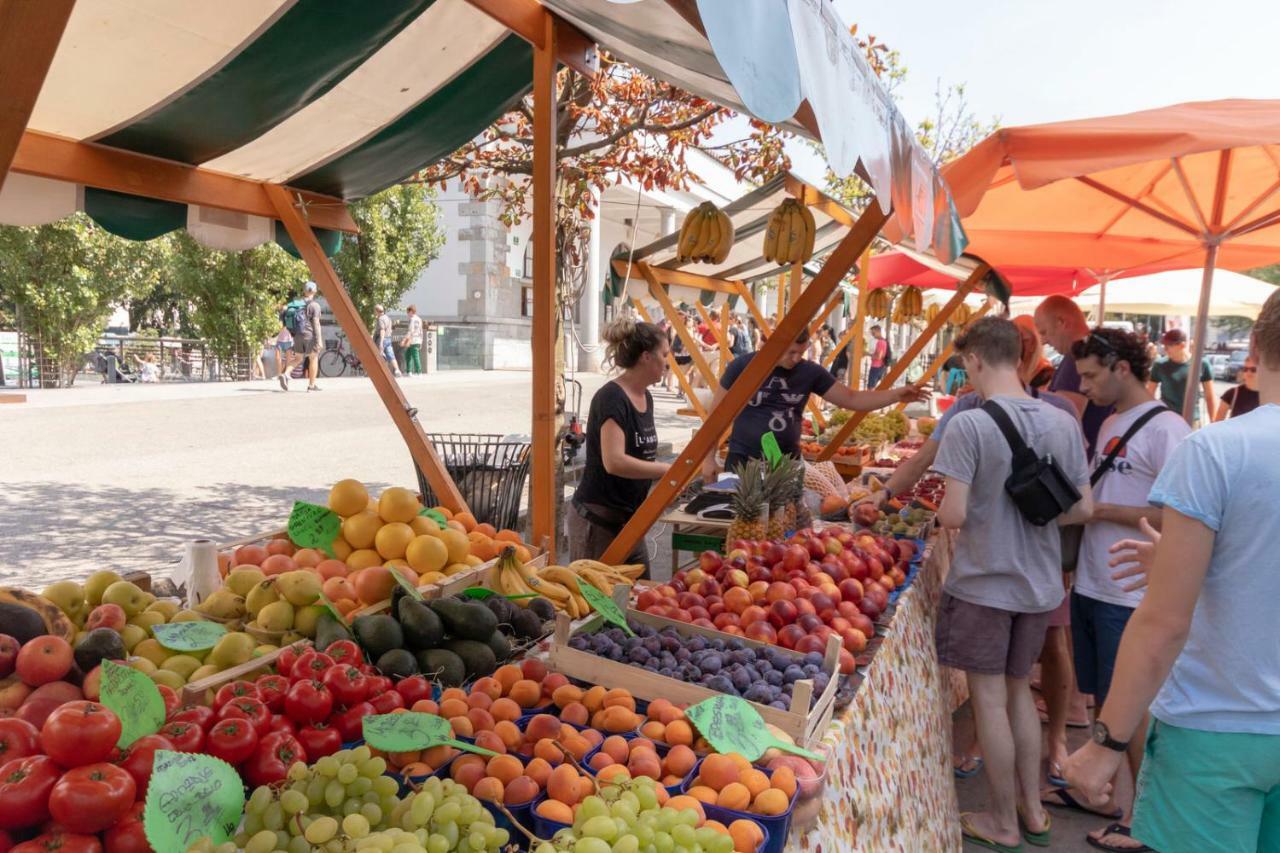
<point>622,443</point>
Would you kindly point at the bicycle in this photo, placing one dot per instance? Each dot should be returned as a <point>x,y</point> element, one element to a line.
<point>338,358</point>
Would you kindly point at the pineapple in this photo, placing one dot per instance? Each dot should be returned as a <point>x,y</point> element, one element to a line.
<point>801,516</point>
<point>749,504</point>
<point>781,514</point>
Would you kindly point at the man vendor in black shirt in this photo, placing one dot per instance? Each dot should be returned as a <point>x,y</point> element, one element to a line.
<point>778,406</point>
<point>622,443</point>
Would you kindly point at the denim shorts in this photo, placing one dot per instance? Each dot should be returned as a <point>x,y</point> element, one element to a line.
<point>1096,628</point>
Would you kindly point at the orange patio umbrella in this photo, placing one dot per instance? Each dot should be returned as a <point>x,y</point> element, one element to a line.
<point>1191,185</point>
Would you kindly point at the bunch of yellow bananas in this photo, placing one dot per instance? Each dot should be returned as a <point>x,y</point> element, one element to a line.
<point>559,584</point>
<point>789,237</point>
<point>961,316</point>
<point>706,235</point>
<point>931,313</point>
<point>911,303</point>
<point>878,304</point>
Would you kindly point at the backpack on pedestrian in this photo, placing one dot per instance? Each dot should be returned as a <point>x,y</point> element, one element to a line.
<point>294,317</point>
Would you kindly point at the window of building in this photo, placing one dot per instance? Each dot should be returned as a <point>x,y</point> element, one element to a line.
<point>526,301</point>
<point>528,261</point>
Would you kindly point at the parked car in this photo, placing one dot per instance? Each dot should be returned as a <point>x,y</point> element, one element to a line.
<point>1219,363</point>
<point>1234,363</point>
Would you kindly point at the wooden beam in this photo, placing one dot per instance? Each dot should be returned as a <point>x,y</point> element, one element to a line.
<point>527,19</point>
<point>344,310</point>
<point>694,402</point>
<point>745,293</point>
<point>715,333</point>
<point>790,325</point>
<point>937,363</point>
<point>860,321</point>
<point>820,201</point>
<point>544,498</point>
<point>836,299</point>
<point>691,344</point>
<point>844,341</point>
<point>29,34</point>
<point>900,366</point>
<point>684,277</point>
<point>796,276</point>
<point>115,169</point>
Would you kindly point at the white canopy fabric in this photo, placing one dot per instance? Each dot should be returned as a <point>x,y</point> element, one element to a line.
<point>1172,293</point>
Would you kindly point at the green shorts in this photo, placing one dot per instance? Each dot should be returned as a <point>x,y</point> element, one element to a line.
<point>1208,791</point>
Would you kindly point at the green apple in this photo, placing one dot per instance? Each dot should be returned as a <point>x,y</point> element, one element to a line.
<point>69,596</point>
<point>96,584</point>
<point>130,599</point>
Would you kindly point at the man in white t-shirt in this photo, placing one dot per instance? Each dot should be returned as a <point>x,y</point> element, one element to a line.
<point>1133,444</point>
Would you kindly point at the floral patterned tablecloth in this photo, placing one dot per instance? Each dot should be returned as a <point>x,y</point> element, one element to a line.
<point>889,785</point>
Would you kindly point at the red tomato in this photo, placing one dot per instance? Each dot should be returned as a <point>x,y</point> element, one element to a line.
<point>271,762</point>
<point>286,659</point>
<point>319,740</point>
<point>6,840</point>
<point>414,688</point>
<point>308,702</point>
<point>234,690</point>
<point>232,740</point>
<point>349,723</point>
<point>25,784</point>
<point>170,696</point>
<point>387,701</point>
<point>281,723</point>
<point>271,690</point>
<point>348,685</point>
<point>127,836</point>
<point>249,709</point>
<point>80,733</point>
<point>91,798</point>
<point>311,664</point>
<point>61,842</point>
<point>202,715</point>
<point>139,757</point>
<point>345,651</point>
<point>379,684</point>
<point>185,736</point>
<point>18,739</point>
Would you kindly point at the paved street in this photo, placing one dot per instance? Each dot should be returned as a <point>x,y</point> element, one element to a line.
<point>121,476</point>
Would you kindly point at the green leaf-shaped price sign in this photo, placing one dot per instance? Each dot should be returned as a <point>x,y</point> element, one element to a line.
<point>188,636</point>
<point>410,731</point>
<point>312,526</point>
<point>605,606</point>
<point>133,698</point>
<point>479,592</point>
<point>334,611</point>
<point>409,588</point>
<point>191,796</point>
<point>769,447</point>
<point>435,515</point>
<point>730,724</point>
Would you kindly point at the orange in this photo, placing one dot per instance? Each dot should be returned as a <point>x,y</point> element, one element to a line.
<point>466,519</point>
<point>427,553</point>
<point>374,584</point>
<point>424,526</point>
<point>341,548</point>
<point>507,536</point>
<point>397,504</point>
<point>457,543</point>
<point>486,529</point>
<point>361,528</point>
<point>392,540</point>
<point>347,497</point>
<point>481,546</point>
<point>444,510</point>
<point>363,559</point>
<point>522,554</point>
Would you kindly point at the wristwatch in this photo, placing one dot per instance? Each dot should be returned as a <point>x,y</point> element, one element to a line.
<point>1102,737</point>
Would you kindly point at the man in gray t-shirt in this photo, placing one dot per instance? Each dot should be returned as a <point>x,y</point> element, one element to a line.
<point>1006,575</point>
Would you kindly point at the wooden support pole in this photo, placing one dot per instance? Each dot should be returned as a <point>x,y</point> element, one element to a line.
<point>844,341</point>
<point>726,355</point>
<point>937,363</point>
<point>816,325</point>
<point>670,276</point>
<point>344,310</point>
<point>790,324</point>
<point>693,345</point>
<point>715,333</point>
<point>899,366</point>
<point>544,498</point>
<point>694,402</point>
<point>745,293</point>
<point>29,34</point>
<point>796,285</point>
<point>860,321</point>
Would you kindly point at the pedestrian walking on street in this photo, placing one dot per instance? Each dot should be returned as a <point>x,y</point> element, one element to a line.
<point>879,357</point>
<point>413,342</point>
<point>382,337</point>
<point>310,337</point>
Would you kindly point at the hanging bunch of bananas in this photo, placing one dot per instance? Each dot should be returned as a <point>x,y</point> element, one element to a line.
<point>559,584</point>
<point>911,303</point>
<point>931,313</point>
<point>961,316</point>
<point>878,304</point>
<point>706,235</point>
<point>789,237</point>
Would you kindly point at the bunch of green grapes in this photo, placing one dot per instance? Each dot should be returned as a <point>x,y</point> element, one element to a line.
<point>343,802</point>
<point>898,424</point>
<point>874,429</point>
<point>626,818</point>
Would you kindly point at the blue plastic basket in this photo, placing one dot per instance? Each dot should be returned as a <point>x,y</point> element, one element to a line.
<point>775,828</point>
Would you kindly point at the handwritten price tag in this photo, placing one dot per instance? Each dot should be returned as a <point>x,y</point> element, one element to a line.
<point>191,796</point>
<point>769,447</point>
<point>410,731</point>
<point>730,724</point>
<point>312,526</point>
<point>410,588</point>
<point>134,699</point>
<point>604,605</point>
<point>188,636</point>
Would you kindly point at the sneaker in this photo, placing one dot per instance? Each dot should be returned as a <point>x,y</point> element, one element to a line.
<point>284,381</point>
<point>313,387</point>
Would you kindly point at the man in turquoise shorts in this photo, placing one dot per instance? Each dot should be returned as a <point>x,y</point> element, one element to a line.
<point>1203,644</point>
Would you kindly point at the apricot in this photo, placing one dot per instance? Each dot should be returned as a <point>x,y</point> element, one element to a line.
<point>504,709</point>
<point>525,693</point>
<point>400,759</point>
<point>679,733</point>
<point>618,719</point>
<point>543,726</point>
<point>679,761</point>
<point>600,760</point>
<point>538,770</point>
<point>416,770</point>
<point>670,781</point>
<point>575,713</point>
<point>508,733</point>
<point>644,763</point>
<point>654,729</point>
<point>586,787</point>
<point>577,745</point>
<point>740,761</point>
<point>480,700</point>
<point>619,698</point>
<point>462,726</point>
<point>555,810</point>
<point>489,740</point>
<point>533,669</point>
<point>567,695</point>
<point>453,708</point>
<point>616,748</point>
<point>684,801</point>
<point>747,836</point>
<point>505,768</point>
<point>453,693</point>
<point>734,796</point>
<point>505,676</point>
<point>656,707</point>
<point>643,743</point>
<point>520,790</point>
<point>662,794</point>
<point>614,772</point>
<point>784,779</point>
<point>466,775</point>
<point>562,785</point>
<point>670,715</point>
<point>481,720</point>
<point>488,686</point>
<point>553,682</point>
<point>755,780</point>
<point>594,698</point>
<point>717,771</point>
<point>436,756</point>
<point>593,737</point>
<point>490,789</point>
<point>771,802</point>
<point>549,751</point>
<point>426,706</point>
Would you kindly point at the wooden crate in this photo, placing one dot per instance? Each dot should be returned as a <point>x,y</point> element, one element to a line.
<point>483,575</point>
<point>803,723</point>
<point>196,692</point>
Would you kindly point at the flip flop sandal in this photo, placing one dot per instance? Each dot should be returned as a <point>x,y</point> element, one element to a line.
<point>1062,799</point>
<point>1055,777</point>
<point>961,773</point>
<point>1116,829</point>
<point>1036,839</point>
<point>972,836</point>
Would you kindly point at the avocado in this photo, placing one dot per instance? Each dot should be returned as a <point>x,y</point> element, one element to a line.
<point>98,645</point>
<point>21,623</point>
<point>499,645</point>
<point>501,608</point>
<point>543,607</point>
<point>477,657</point>
<point>527,625</point>
<point>378,634</point>
<point>468,620</point>
<point>420,624</point>
<point>397,663</point>
<point>443,666</point>
<point>329,630</point>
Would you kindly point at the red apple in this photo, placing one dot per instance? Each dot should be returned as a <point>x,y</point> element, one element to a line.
<point>850,590</point>
<point>106,616</point>
<point>761,632</point>
<point>789,635</point>
<point>44,659</point>
<point>9,647</point>
<point>782,612</point>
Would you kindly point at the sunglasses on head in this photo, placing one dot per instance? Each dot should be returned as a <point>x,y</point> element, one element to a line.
<point>1248,370</point>
<point>1095,341</point>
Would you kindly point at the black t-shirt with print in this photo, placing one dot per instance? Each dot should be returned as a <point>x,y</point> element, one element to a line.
<point>1240,400</point>
<point>777,407</point>
<point>598,486</point>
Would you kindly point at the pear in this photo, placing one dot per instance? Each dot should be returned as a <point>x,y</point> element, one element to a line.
<point>132,635</point>
<point>264,649</point>
<point>143,665</point>
<point>276,616</point>
<point>151,650</point>
<point>232,649</point>
<point>202,673</point>
<point>69,596</point>
<point>291,637</point>
<point>300,587</point>
<point>130,599</point>
<point>96,584</point>
<point>305,620</point>
<point>147,619</point>
<point>260,596</point>
<point>168,679</point>
<point>183,665</point>
<point>222,604</point>
<point>244,578</point>
<point>166,607</point>
<point>186,616</point>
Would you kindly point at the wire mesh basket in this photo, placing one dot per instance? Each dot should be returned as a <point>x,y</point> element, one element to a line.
<point>489,469</point>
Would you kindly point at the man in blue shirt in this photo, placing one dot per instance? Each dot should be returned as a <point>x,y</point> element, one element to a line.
<point>1201,649</point>
<point>1061,323</point>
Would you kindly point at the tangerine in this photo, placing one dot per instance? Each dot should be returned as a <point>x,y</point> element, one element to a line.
<point>361,529</point>
<point>363,559</point>
<point>466,519</point>
<point>427,553</point>
<point>457,544</point>
<point>348,497</point>
<point>392,540</point>
<point>277,564</point>
<point>281,546</point>
<point>397,504</point>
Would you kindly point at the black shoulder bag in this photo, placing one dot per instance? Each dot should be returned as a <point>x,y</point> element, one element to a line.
<point>1073,534</point>
<point>1036,484</point>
